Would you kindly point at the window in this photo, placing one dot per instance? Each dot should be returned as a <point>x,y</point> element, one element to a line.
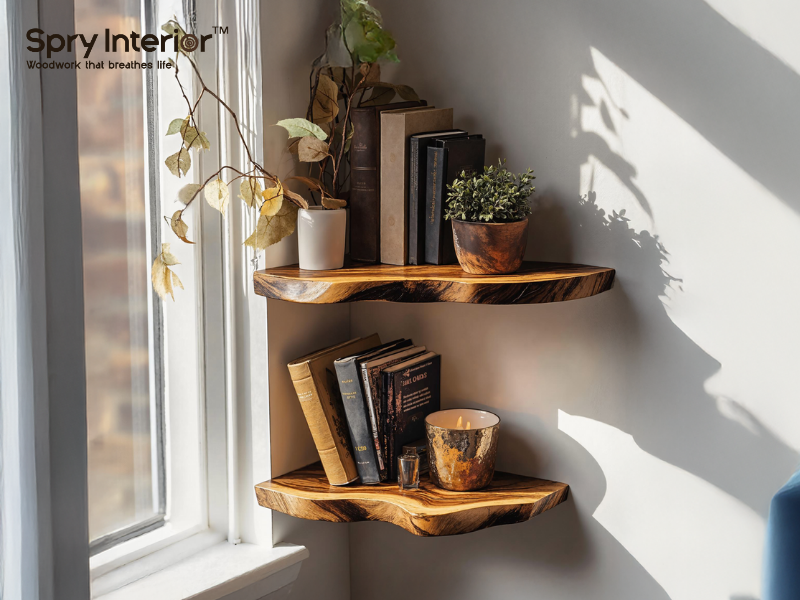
<point>126,470</point>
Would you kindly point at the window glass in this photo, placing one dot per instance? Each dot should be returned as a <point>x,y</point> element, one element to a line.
<point>124,464</point>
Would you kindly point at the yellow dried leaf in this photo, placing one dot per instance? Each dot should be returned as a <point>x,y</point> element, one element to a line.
<point>177,126</point>
<point>162,276</point>
<point>406,92</point>
<point>297,198</point>
<point>273,200</point>
<point>175,281</point>
<point>333,203</point>
<point>188,192</point>
<point>293,145</point>
<point>380,95</point>
<point>371,72</point>
<point>311,149</point>
<point>180,228</point>
<point>326,100</point>
<point>250,190</point>
<point>196,139</point>
<point>217,194</point>
<point>179,163</point>
<point>271,230</point>
<point>167,256</point>
<point>312,183</point>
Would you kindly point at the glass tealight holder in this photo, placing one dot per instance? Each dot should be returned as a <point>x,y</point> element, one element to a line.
<point>408,470</point>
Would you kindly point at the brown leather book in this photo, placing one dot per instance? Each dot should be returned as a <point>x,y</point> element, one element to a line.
<point>317,388</point>
<point>396,127</point>
<point>365,180</point>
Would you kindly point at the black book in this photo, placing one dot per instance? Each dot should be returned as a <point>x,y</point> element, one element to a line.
<point>446,161</point>
<point>355,409</point>
<point>417,178</point>
<point>370,378</point>
<point>410,392</point>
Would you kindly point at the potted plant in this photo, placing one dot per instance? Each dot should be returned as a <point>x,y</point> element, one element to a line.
<point>345,76</point>
<point>490,219</point>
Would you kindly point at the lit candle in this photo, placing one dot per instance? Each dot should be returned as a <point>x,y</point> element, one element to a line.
<point>462,458</point>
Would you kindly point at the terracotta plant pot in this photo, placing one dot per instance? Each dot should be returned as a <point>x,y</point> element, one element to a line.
<point>490,248</point>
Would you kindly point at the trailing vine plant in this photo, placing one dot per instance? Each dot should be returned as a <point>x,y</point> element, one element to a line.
<point>345,76</point>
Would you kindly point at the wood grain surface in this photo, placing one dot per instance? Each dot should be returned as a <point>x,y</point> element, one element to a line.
<point>428,511</point>
<point>535,282</point>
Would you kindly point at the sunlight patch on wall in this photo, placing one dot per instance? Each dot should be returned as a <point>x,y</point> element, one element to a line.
<point>728,239</point>
<point>695,540</point>
<point>772,24</point>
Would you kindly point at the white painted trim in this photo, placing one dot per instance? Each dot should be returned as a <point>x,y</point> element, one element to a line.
<point>219,571</point>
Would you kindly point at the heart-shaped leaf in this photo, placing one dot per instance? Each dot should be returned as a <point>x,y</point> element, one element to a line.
<point>311,149</point>
<point>302,128</point>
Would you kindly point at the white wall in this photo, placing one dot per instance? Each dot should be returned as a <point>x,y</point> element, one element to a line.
<point>668,404</point>
<point>292,35</point>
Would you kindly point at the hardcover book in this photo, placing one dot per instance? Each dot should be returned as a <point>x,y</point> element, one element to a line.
<point>447,159</point>
<point>417,179</point>
<point>396,127</point>
<point>355,409</point>
<point>410,392</point>
<point>370,379</point>
<point>317,388</point>
<point>365,179</point>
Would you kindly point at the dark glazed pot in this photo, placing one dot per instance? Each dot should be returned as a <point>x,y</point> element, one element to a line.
<point>490,248</point>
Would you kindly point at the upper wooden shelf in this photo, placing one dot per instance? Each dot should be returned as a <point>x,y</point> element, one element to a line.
<point>535,282</point>
<point>428,511</point>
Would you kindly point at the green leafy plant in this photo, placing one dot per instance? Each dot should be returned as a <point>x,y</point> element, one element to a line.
<point>340,80</point>
<point>495,196</point>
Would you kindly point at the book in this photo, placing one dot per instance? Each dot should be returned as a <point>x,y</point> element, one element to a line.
<point>411,390</point>
<point>355,409</point>
<point>370,379</point>
<point>396,127</point>
<point>317,388</point>
<point>417,179</point>
<point>447,159</point>
<point>364,179</point>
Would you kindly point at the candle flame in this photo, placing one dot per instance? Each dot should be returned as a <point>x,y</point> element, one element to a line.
<point>467,427</point>
<point>459,423</point>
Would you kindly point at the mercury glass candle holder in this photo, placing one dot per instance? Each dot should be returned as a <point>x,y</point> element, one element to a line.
<point>462,447</point>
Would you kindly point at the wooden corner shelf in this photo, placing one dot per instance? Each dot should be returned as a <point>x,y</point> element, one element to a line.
<point>535,282</point>
<point>429,511</point>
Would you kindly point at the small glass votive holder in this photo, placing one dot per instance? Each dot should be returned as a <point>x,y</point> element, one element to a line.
<point>408,470</point>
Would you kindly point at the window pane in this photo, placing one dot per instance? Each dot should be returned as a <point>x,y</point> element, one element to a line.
<point>111,116</point>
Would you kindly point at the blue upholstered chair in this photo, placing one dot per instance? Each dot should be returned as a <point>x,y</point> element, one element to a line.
<point>782,554</point>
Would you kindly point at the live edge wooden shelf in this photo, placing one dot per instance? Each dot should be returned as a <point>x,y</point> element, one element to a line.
<point>535,282</point>
<point>428,511</point>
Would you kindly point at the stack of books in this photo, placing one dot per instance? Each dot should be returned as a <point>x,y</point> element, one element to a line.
<point>364,401</point>
<point>403,158</point>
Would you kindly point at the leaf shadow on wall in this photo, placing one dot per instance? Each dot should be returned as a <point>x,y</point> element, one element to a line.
<point>665,372</point>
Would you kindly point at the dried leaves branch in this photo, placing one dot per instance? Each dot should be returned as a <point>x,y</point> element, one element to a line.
<point>340,79</point>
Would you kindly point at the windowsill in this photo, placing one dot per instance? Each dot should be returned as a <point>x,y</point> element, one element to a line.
<point>247,570</point>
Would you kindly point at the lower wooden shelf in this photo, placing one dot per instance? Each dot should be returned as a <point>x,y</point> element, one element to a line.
<point>429,511</point>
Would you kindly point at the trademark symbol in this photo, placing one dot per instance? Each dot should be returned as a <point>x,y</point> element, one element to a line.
<point>220,29</point>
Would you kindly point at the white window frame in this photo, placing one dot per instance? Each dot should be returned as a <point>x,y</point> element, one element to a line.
<point>45,469</point>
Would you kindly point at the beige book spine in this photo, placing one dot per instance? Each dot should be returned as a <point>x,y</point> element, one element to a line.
<point>338,468</point>
<point>393,213</point>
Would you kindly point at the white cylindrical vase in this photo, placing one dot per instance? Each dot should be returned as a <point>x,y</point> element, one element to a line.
<point>321,238</point>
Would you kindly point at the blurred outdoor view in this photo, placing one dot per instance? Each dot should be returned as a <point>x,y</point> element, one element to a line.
<point>112,138</point>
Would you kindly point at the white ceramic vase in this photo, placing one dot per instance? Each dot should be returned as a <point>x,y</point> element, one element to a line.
<point>320,238</point>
